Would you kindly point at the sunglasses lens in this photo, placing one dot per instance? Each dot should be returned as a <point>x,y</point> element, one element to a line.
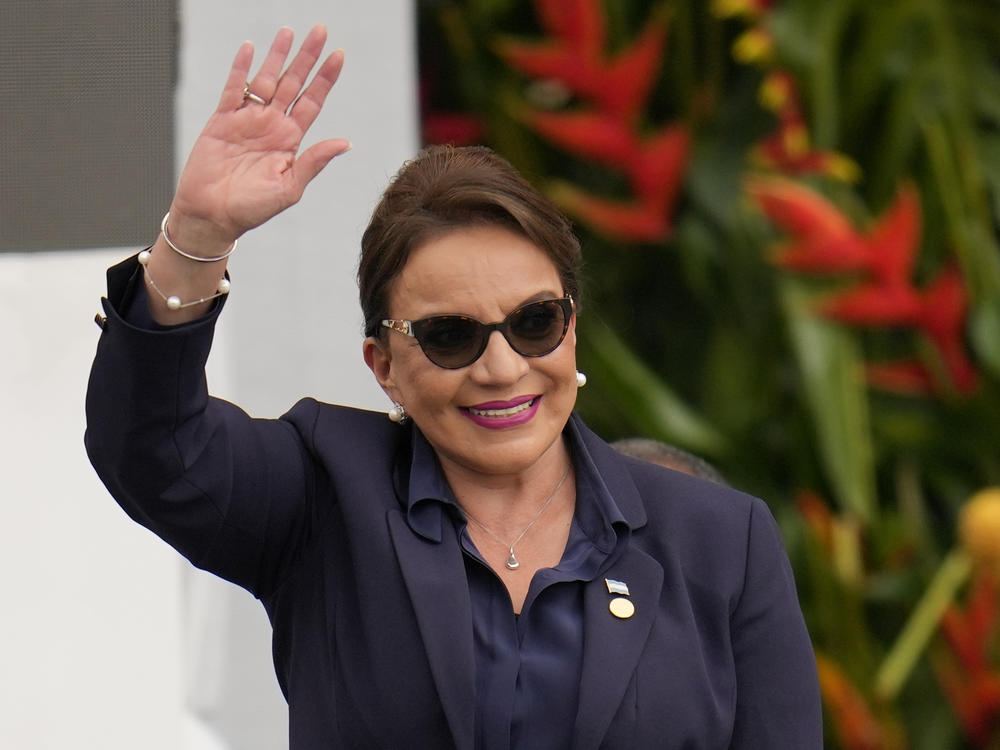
<point>450,340</point>
<point>538,328</point>
<point>454,341</point>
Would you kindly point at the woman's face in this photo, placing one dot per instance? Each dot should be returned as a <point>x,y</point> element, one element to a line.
<point>483,272</point>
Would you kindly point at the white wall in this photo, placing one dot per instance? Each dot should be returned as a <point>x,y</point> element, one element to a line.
<point>109,639</point>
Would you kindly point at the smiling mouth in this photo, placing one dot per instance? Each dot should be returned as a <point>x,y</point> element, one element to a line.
<point>497,413</point>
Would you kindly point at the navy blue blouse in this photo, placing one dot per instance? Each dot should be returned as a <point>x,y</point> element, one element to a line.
<point>528,666</point>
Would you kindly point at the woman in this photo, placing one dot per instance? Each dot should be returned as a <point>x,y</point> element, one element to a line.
<point>478,570</point>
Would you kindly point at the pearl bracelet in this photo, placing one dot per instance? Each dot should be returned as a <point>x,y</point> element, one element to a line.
<point>172,246</point>
<point>173,301</point>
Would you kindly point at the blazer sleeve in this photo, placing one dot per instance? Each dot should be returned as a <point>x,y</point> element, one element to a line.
<point>230,493</point>
<point>778,700</point>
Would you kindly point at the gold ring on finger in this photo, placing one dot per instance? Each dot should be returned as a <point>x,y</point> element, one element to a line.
<point>250,96</point>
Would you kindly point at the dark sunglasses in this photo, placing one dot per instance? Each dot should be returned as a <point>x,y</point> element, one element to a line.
<point>454,341</point>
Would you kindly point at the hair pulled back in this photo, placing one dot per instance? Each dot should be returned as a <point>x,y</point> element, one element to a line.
<point>447,188</point>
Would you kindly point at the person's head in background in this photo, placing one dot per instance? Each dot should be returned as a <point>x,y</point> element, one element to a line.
<point>669,456</point>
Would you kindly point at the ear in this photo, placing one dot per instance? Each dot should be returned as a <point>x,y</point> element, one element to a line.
<point>379,360</point>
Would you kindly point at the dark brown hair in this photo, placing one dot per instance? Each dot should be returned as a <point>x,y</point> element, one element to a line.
<point>446,188</point>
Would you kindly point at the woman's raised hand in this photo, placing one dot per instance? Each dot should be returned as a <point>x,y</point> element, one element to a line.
<point>245,166</point>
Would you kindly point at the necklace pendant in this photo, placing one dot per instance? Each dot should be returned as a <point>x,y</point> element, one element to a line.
<point>512,563</point>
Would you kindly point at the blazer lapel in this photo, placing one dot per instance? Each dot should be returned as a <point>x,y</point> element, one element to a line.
<point>434,573</point>
<point>612,645</point>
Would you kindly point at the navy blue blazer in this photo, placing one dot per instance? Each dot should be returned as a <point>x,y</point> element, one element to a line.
<point>373,644</point>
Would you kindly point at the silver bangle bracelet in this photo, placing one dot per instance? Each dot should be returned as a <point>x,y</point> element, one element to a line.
<point>172,246</point>
<point>173,301</point>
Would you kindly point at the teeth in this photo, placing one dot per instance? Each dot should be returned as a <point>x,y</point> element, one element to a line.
<point>502,412</point>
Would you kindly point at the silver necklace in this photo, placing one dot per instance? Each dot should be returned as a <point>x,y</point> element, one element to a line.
<point>512,562</point>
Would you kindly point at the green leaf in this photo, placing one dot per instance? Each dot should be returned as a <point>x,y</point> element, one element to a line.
<point>655,409</point>
<point>832,373</point>
<point>990,150</point>
<point>985,333</point>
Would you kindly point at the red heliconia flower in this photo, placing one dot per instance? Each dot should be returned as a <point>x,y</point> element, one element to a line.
<point>974,699</point>
<point>968,632</point>
<point>907,377</point>
<point>822,240</point>
<point>551,60</point>
<point>579,24</point>
<point>631,221</point>
<point>971,683</point>
<point>939,311</point>
<point>618,86</point>
<point>631,75</point>
<point>654,166</point>
<point>614,91</point>
<point>788,151</point>
<point>849,711</point>
<point>942,318</point>
<point>656,170</point>
<point>818,517</point>
<point>893,242</point>
<point>874,305</point>
<point>456,128</point>
<point>586,133</point>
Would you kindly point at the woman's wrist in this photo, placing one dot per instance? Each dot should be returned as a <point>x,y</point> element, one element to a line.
<point>196,238</point>
<point>191,256</point>
<point>180,290</point>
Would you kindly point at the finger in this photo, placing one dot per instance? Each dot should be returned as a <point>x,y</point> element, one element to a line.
<point>312,161</point>
<point>266,80</point>
<point>308,106</point>
<point>294,78</point>
<point>232,93</point>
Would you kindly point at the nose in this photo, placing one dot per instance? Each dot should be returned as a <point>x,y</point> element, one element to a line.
<point>499,363</point>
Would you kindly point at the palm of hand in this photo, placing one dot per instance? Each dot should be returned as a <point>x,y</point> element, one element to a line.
<point>242,167</point>
<point>245,166</point>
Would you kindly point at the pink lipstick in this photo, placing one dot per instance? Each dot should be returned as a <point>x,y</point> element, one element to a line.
<point>498,415</point>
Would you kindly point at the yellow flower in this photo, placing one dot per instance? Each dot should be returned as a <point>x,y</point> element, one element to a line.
<point>979,528</point>
<point>750,9</point>
<point>843,168</point>
<point>754,46</point>
<point>777,91</point>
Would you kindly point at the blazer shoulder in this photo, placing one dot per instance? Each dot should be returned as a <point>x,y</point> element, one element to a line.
<point>671,501</point>
<point>346,437</point>
<point>706,528</point>
<point>681,496</point>
<point>309,415</point>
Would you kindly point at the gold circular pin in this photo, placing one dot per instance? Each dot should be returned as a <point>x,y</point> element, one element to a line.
<point>621,607</point>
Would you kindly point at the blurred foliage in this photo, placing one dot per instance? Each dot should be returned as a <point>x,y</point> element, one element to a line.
<point>789,211</point>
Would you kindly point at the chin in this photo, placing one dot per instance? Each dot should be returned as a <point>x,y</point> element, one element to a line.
<point>508,451</point>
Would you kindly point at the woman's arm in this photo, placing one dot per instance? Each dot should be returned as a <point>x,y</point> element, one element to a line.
<point>229,492</point>
<point>244,168</point>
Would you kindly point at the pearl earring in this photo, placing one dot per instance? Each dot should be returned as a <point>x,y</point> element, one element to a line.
<point>397,413</point>
<point>581,379</point>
